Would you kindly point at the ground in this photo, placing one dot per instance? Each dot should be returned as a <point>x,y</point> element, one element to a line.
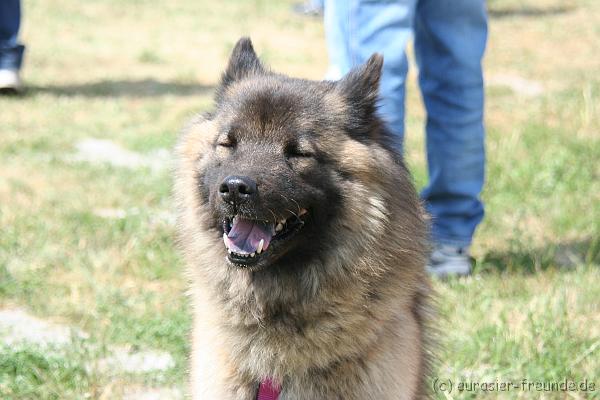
<point>92,294</point>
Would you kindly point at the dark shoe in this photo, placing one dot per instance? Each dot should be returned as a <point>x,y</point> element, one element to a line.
<point>448,261</point>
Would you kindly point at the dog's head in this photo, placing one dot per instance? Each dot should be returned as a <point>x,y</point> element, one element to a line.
<point>284,156</point>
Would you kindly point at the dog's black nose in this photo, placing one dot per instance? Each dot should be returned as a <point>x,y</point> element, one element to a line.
<point>237,189</point>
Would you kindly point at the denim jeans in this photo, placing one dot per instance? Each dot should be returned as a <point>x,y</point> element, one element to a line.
<point>449,39</point>
<point>11,52</point>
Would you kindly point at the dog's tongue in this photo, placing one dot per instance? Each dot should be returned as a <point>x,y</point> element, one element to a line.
<point>245,236</point>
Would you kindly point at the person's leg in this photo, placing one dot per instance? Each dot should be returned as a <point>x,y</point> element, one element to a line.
<point>450,39</point>
<point>356,29</point>
<point>11,52</point>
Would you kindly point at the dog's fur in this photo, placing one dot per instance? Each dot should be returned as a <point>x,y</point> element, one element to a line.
<point>339,310</point>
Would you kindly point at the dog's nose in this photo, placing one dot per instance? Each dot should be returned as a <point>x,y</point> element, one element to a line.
<point>237,189</point>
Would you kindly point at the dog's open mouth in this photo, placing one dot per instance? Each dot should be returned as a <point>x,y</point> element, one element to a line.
<point>247,240</point>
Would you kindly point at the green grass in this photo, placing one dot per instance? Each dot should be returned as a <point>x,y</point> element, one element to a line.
<point>134,71</point>
<point>30,372</point>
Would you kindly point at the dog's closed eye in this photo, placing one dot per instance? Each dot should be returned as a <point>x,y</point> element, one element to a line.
<point>297,150</point>
<point>226,141</point>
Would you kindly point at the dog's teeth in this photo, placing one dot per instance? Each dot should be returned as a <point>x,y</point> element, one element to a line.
<point>278,227</point>
<point>282,222</point>
<point>260,246</point>
<point>302,212</point>
<point>252,255</point>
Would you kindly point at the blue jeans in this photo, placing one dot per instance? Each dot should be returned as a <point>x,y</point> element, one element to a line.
<point>449,38</point>
<point>11,52</point>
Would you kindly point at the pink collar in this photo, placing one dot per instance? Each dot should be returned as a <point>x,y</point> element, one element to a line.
<point>268,390</point>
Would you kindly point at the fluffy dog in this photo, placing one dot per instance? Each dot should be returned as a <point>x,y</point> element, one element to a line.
<point>304,239</point>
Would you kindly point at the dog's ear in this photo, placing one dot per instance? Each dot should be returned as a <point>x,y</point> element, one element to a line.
<point>243,63</point>
<point>360,89</point>
<point>360,86</point>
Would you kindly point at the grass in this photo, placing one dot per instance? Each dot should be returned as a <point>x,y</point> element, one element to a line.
<point>133,72</point>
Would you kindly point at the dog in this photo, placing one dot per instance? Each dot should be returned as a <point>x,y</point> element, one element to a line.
<point>304,239</point>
